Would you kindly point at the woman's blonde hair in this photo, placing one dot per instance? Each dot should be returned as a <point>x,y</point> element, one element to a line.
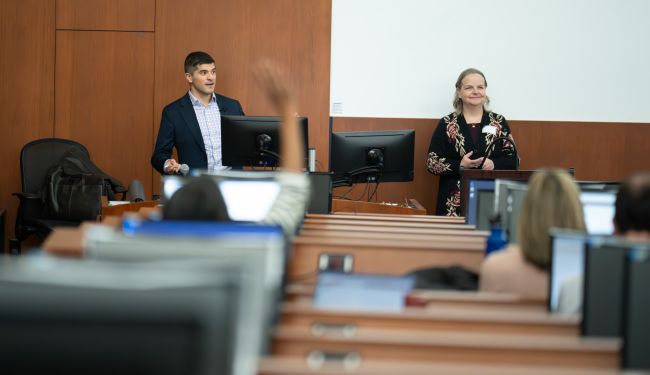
<point>457,102</point>
<point>552,201</point>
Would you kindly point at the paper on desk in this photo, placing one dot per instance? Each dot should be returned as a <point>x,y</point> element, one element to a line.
<point>341,291</point>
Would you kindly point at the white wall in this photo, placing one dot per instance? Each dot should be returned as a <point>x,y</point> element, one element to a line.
<point>568,60</point>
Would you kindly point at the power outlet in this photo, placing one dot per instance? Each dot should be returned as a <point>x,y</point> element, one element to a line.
<point>335,263</point>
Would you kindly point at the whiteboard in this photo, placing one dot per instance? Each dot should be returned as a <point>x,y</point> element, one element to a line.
<point>555,60</point>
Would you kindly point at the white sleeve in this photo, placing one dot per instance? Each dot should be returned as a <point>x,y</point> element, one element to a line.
<point>289,208</point>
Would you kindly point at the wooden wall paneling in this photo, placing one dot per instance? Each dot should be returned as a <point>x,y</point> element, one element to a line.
<point>635,150</point>
<point>597,151</point>
<point>293,33</point>
<point>424,186</point>
<point>26,89</point>
<point>122,15</point>
<point>104,99</point>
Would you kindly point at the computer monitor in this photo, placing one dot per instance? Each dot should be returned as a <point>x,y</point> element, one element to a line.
<point>599,208</point>
<point>258,250</point>
<point>253,141</point>
<point>480,203</point>
<point>636,325</point>
<point>604,288</point>
<point>371,156</point>
<point>566,269</point>
<point>249,196</point>
<point>508,200</point>
<point>320,201</point>
<point>79,317</point>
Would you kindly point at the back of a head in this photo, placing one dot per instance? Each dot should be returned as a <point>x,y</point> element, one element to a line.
<point>633,205</point>
<point>199,200</point>
<point>552,201</point>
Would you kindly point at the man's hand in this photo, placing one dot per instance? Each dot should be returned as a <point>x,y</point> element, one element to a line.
<point>171,166</point>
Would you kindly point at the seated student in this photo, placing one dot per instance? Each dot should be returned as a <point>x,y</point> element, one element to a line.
<point>552,201</point>
<point>632,215</point>
<point>631,221</point>
<point>201,199</point>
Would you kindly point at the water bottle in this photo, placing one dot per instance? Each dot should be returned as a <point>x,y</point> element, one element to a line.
<point>497,239</point>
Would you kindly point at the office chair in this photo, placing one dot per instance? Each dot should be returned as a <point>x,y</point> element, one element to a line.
<point>36,160</point>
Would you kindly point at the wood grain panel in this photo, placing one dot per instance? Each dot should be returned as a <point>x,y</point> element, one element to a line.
<point>597,151</point>
<point>123,15</point>
<point>424,186</point>
<point>293,33</point>
<point>104,99</point>
<point>26,89</point>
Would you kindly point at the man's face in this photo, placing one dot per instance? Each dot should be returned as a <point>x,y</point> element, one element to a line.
<point>202,79</point>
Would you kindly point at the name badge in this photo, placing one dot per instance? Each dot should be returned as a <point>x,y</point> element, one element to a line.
<point>489,129</point>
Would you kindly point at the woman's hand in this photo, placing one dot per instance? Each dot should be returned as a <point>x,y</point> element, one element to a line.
<point>488,165</point>
<point>468,163</point>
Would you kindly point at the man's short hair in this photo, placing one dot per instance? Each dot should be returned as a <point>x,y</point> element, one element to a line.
<point>633,204</point>
<point>195,59</point>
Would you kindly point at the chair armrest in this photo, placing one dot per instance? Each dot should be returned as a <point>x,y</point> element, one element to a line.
<point>27,196</point>
<point>30,207</point>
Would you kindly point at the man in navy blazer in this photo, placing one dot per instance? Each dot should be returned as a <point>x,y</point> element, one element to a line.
<point>192,124</point>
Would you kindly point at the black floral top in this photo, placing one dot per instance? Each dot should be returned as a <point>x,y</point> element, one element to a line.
<point>451,141</point>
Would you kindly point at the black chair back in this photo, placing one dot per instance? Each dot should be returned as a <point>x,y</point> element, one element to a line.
<point>37,157</point>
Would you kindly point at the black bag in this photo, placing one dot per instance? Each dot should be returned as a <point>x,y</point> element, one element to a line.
<point>445,278</point>
<point>75,162</point>
<point>73,197</point>
<point>73,188</point>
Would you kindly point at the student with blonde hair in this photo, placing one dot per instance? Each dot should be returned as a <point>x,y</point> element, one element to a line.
<point>552,201</point>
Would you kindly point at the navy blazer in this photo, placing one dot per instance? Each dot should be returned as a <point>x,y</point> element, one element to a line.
<point>179,128</point>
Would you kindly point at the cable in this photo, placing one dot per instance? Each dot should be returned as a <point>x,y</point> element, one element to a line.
<point>374,193</point>
<point>344,196</point>
<point>365,191</point>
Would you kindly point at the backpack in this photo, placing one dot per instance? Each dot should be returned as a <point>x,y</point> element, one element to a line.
<point>74,187</point>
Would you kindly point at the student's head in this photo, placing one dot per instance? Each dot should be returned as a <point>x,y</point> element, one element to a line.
<point>552,201</point>
<point>632,217</point>
<point>200,73</point>
<point>470,90</point>
<point>199,200</point>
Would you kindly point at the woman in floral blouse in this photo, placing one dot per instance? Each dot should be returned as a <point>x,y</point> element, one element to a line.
<point>462,138</point>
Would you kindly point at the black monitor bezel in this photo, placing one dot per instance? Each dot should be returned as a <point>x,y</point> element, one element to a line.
<point>238,139</point>
<point>338,158</point>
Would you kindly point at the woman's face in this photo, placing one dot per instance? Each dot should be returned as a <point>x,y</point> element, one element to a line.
<point>472,90</point>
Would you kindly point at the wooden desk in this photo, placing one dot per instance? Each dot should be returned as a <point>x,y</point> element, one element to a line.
<point>369,230</point>
<point>461,347</point>
<point>304,293</point>
<point>280,365</point>
<point>383,256</point>
<point>391,218</point>
<point>427,235</point>
<point>436,317</point>
<point>120,209</point>
<point>343,205</point>
<point>392,224</point>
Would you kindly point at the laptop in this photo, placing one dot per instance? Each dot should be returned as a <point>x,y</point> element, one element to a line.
<point>249,196</point>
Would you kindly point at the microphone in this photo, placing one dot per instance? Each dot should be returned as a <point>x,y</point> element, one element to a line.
<point>493,145</point>
<point>185,169</point>
<point>136,191</point>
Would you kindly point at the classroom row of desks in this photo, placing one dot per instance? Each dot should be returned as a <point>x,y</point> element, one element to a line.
<point>438,332</point>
